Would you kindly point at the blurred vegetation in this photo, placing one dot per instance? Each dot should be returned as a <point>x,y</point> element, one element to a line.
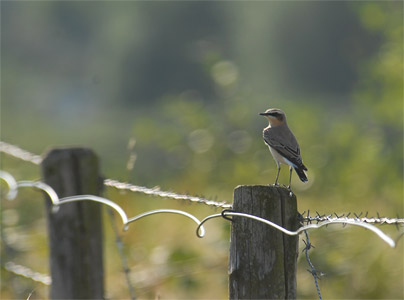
<point>186,81</point>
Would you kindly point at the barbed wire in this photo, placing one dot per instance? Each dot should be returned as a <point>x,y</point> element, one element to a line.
<point>19,153</point>
<point>357,217</point>
<point>12,193</point>
<point>374,229</point>
<point>56,201</point>
<point>163,194</point>
<point>200,231</point>
<point>124,259</point>
<point>321,220</point>
<point>22,154</point>
<point>313,271</point>
<point>27,273</point>
<point>307,220</point>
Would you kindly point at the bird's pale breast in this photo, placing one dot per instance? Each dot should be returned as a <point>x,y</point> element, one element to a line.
<point>279,158</point>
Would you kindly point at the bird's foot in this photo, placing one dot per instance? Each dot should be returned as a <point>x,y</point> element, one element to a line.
<point>290,191</point>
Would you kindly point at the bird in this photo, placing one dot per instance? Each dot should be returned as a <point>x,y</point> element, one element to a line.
<point>283,144</point>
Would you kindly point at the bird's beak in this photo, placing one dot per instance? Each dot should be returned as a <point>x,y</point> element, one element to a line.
<point>263,114</point>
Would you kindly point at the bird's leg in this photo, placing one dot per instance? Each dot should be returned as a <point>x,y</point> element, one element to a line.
<point>290,177</point>
<point>277,175</point>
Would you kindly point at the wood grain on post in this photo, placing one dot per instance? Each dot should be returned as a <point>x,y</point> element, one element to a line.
<point>263,260</point>
<point>75,231</point>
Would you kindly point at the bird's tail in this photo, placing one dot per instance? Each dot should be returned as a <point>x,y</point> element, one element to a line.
<point>302,175</point>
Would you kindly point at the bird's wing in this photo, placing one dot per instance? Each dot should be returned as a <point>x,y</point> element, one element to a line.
<point>285,144</point>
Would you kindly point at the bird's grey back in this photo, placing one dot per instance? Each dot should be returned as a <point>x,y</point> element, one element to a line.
<point>281,136</point>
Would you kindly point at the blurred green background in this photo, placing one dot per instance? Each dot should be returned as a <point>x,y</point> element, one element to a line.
<point>178,85</point>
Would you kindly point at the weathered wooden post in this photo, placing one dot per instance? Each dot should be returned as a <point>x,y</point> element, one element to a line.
<point>262,262</point>
<point>75,231</point>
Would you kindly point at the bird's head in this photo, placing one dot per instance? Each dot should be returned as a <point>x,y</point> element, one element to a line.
<point>275,116</point>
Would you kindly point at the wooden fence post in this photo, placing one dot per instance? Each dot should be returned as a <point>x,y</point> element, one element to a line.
<point>75,231</point>
<point>262,261</point>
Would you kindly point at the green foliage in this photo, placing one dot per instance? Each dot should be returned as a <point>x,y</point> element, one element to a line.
<point>187,84</point>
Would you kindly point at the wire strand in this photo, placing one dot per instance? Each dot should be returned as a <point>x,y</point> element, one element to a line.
<point>315,273</point>
<point>27,273</point>
<point>320,220</point>
<point>164,194</point>
<point>19,153</point>
<point>22,154</point>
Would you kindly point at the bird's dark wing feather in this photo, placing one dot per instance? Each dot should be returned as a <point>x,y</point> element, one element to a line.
<point>290,151</point>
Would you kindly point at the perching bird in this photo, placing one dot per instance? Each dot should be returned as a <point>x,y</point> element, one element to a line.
<point>283,144</point>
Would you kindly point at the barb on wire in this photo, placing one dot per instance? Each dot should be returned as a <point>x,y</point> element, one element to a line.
<point>17,152</point>
<point>374,229</point>
<point>378,220</point>
<point>315,273</point>
<point>27,273</point>
<point>164,194</point>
